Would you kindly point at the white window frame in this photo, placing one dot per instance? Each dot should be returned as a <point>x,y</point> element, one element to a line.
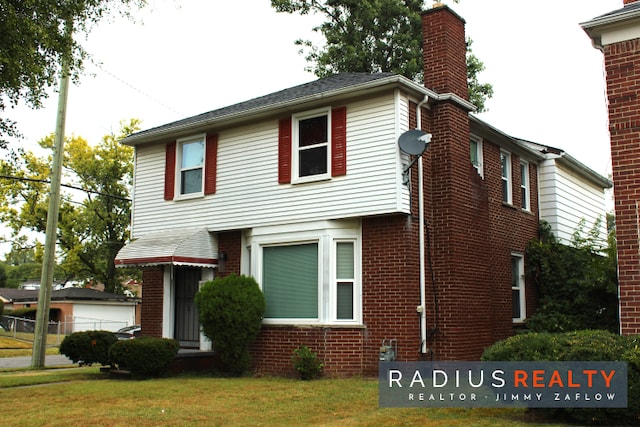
<point>520,287</point>
<point>506,177</point>
<point>295,148</point>
<point>525,188</point>
<point>178,175</point>
<point>327,240</point>
<point>357,294</point>
<point>479,167</point>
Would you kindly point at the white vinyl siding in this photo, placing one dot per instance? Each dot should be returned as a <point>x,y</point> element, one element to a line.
<point>248,194</point>
<point>566,198</point>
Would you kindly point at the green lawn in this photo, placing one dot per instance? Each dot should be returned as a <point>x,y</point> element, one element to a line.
<point>84,396</point>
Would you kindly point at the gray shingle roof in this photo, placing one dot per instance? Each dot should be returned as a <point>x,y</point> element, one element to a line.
<point>328,84</point>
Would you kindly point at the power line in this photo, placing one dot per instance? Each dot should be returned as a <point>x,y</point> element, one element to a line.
<point>46,181</point>
<point>141,92</point>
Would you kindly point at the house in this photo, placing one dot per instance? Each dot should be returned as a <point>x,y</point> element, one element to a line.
<point>569,193</point>
<point>359,242</point>
<point>79,309</point>
<point>617,35</point>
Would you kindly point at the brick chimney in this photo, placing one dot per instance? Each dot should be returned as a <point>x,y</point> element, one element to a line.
<point>455,226</point>
<point>444,51</point>
<point>629,1</point>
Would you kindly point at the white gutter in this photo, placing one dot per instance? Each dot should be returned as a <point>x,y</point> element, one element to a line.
<point>422,307</point>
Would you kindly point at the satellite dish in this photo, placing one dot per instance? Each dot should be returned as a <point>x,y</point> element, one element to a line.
<point>414,142</point>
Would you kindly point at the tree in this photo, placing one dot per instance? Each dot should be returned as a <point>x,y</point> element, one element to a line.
<point>374,36</point>
<point>32,42</point>
<point>577,284</point>
<point>95,212</point>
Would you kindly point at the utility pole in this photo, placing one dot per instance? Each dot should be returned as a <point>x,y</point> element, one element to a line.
<point>49,261</point>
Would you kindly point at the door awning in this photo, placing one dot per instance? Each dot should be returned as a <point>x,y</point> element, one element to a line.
<point>183,246</point>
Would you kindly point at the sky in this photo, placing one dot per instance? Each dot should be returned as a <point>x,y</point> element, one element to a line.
<point>182,58</point>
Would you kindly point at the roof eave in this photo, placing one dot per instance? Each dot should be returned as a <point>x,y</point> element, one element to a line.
<point>169,131</point>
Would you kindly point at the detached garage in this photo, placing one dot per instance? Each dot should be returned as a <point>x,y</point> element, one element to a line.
<point>81,309</point>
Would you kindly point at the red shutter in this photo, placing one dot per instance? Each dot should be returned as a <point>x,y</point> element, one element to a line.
<point>284,151</point>
<point>339,141</point>
<point>170,171</point>
<point>211,164</point>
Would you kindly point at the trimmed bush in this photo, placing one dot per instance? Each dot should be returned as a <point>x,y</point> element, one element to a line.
<point>231,310</point>
<point>88,347</point>
<point>586,345</point>
<point>144,357</point>
<point>306,362</point>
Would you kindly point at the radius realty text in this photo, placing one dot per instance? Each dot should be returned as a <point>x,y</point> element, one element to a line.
<point>503,384</point>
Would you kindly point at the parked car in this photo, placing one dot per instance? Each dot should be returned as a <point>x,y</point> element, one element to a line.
<point>128,332</point>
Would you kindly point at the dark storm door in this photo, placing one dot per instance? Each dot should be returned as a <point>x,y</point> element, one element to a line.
<point>187,326</point>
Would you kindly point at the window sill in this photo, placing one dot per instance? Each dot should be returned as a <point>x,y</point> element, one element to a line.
<point>309,180</point>
<point>316,325</point>
<point>188,197</point>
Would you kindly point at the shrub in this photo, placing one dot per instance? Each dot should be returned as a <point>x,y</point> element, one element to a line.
<point>144,357</point>
<point>586,345</point>
<point>577,284</point>
<point>88,347</point>
<point>231,310</point>
<point>306,362</point>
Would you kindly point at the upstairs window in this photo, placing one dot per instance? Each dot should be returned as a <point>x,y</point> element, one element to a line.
<point>190,167</point>
<point>505,162</point>
<point>524,186</point>
<point>191,154</point>
<point>475,145</point>
<point>312,146</point>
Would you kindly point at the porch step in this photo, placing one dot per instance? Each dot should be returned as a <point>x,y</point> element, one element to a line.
<point>188,360</point>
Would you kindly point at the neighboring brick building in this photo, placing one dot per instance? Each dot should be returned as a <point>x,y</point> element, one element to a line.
<point>617,35</point>
<point>305,189</point>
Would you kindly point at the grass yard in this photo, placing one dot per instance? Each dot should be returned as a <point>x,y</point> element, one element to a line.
<point>84,397</point>
<point>10,347</point>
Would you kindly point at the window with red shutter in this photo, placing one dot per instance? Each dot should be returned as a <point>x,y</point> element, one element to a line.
<point>312,146</point>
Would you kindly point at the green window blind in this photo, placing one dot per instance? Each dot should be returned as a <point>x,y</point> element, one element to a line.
<point>290,281</point>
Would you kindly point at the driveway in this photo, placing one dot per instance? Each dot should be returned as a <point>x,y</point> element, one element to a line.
<point>25,361</point>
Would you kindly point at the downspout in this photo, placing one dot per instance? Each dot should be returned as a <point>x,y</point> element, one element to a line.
<point>422,307</point>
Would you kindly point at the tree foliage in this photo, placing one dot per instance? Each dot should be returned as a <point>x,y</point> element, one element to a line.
<point>33,41</point>
<point>373,36</point>
<point>577,284</point>
<point>94,214</point>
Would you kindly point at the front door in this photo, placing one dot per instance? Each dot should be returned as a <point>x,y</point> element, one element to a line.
<point>187,326</point>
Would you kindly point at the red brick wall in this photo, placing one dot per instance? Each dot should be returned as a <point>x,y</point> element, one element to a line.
<point>622,63</point>
<point>151,308</point>
<point>444,50</point>
<point>229,242</point>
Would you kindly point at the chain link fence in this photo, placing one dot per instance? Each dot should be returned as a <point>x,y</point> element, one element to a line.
<point>23,329</point>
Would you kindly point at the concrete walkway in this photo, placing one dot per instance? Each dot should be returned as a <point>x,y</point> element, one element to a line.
<point>25,361</point>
